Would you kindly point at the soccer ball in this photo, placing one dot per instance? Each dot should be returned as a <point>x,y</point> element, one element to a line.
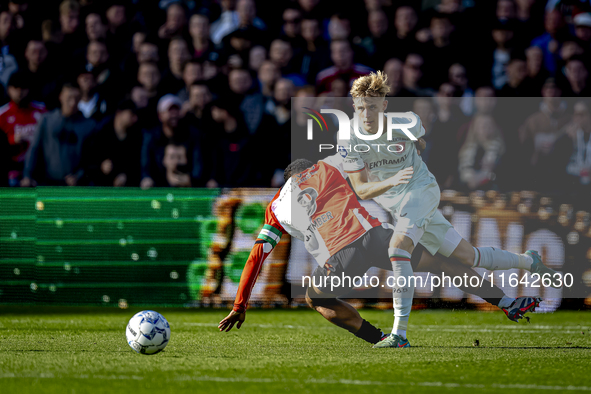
<point>147,332</point>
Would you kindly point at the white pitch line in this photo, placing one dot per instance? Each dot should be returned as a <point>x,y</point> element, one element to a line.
<point>346,382</point>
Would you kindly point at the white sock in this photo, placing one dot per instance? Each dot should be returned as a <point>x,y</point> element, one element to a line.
<point>400,324</point>
<point>497,259</point>
<point>401,295</point>
<point>505,302</point>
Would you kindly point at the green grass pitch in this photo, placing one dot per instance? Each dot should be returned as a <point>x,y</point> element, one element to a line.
<point>84,351</point>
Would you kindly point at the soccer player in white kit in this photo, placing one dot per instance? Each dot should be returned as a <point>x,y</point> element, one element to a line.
<point>371,166</point>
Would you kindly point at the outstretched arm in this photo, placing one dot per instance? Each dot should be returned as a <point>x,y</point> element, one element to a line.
<point>367,190</point>
<point>264,245</point>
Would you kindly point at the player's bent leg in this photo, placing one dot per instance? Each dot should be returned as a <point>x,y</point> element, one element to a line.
<point>495,259</point>
<point>342,315</point>
<point>514,308</point>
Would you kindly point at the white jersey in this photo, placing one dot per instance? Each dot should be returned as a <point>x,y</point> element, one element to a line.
<point>383,158</point>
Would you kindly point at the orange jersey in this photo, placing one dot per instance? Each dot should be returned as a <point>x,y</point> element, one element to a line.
<point>316,206</point>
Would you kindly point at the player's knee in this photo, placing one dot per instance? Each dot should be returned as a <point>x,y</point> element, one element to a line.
<point>316,301</point>
<point>401,241</point>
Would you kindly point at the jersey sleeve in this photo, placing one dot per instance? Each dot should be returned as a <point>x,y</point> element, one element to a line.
<point>268,238</point>
<point>417,130</point>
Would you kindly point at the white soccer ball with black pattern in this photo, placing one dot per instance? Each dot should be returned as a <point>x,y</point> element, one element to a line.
<point>147,332</point>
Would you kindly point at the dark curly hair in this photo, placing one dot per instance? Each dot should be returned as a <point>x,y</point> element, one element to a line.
<point>295,167</point>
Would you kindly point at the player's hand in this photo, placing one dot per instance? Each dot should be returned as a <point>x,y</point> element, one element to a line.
<point>421,144</point>
<point>233,317</point>
<point>403,176</point>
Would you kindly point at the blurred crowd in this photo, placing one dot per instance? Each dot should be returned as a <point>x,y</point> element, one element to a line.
<point>198,92</point>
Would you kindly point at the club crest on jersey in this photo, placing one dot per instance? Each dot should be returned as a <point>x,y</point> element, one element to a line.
<point>342,151</point>
<point>307,199</point>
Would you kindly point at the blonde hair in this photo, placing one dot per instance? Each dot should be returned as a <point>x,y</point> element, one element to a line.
<point>372,85</point>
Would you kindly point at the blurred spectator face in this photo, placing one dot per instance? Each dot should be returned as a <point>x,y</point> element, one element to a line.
<point>457,76</point>
<point>553,22</point>
<point>373,5</point>
<point>137,41</point>
<point>502,36</point>
<point>240,44</point>
<point>377,23</point>
<point>178,51</point>
<point>505,10</point>
<point>551,91</point>
<point>310,29</point>
<point>268,73</point>
<point>576,72</point>
<point>6,24</point>
<point>280,53</point>
<point>412,70</point>
<point>148,52</point>
<point>405,20</point>
<point>525,4</point>
<point>175,17</point>
<point>569,49</point>
<point>199,96</point>
<point>148,76</point>
<point>139,96</point>
<point>69,99</point>
<point>283,91</point>
<point>516,71</point>
<point>240,81</point>
<point>170,117</point>
<point>199,26</point>
<point>17,94</point>
<point>69,21</point>
<point>308,5</point>
<point>292,19</point>
<point>440,28</point>
<point>192,73</point>
<point>97,54</point>
<point>116,16</point>
<point>450,6</point>
<point>341,54</point>
<point>339,88</point>
<point>423,108</point>
<point>36,53</point>
<point>95,29</point>
<point>126,118</point>
<point>87,82</point>
<point>534,58</point>
<point>228,5</point>
<point>485,100</point>
<point>210,70</point>
<point>583,33</point>
<point>444,97</point>
<point>174,157</point>
<point>256,57</point>
<point>393,69</point>
<point>339,29</point>
<point>247,11</point>
<point>581,114</point>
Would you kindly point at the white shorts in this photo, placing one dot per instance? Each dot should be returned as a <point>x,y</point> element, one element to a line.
<point>418,218</point>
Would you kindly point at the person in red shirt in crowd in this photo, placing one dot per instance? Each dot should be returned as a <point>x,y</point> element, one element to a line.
<point>18,120</point>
